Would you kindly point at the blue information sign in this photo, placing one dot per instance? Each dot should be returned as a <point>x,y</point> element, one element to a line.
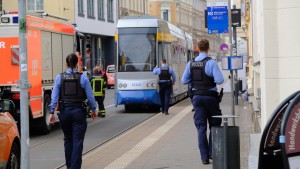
<point>217,19</point>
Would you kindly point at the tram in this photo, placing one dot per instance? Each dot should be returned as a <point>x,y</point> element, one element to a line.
<point>142,42</point>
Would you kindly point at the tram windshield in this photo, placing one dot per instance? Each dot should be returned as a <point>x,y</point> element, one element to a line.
<point>136,49</point>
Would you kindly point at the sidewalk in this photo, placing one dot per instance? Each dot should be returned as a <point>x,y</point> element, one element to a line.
<point>167,141</point>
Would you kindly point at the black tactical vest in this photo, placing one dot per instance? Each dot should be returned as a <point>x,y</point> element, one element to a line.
<point>70,89</point>
<point>164,73</point>
<point>200,80</point>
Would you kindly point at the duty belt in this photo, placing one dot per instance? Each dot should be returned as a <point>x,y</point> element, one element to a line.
<point>206,93</point>
<point>63,105</point>
<point>165,83</point>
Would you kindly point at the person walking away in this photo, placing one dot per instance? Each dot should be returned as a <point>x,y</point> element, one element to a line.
<point>70,91</point>
<point>99,83</point>
<point>165,84</point>
<point>203,73</point>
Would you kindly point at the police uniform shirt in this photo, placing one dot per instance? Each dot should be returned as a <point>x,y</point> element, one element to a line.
<point>85,84</point>
<point>211,69</point>
<point>157,71</point>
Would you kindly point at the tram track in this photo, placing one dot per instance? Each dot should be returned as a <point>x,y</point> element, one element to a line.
<point>107,140</point>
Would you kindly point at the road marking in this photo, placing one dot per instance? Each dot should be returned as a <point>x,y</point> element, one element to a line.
<point>109,106</point>
<point>137,150</point>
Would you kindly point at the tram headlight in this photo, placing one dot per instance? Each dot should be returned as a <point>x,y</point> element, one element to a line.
<point>148,85</point>
<point>124,85</point>
<point>153,85</point>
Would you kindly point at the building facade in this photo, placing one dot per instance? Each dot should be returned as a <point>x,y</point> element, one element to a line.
<point>275,51</point>
<point>188,15</point>
<point>1,5</point>
<point>95,22</point>
<point>132,8</point>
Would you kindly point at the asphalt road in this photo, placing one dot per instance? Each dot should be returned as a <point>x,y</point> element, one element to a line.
<point>47,151</point>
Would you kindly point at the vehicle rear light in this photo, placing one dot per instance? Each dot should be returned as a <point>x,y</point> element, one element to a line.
<point>16,96</point>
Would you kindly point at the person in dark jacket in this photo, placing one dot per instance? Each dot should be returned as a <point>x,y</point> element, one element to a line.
<point>70,90</point>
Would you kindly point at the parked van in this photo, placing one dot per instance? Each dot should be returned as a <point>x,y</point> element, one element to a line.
<point>110,73</point>
<point>10,149</point>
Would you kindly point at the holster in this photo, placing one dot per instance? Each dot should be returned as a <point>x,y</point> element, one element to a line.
<point>61,106</point>
<point>220,95</point>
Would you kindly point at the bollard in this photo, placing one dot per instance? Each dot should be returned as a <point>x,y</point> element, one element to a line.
<point>225,145</point>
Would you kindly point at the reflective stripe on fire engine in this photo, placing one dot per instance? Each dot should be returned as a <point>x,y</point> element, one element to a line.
<point>36,106</point>
<point>37,114</point>
<point>15,59</point>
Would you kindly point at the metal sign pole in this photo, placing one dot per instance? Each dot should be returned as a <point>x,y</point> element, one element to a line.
<point>235,54</point>
<point>230,54</point>
<point>225,124</point>
<point>24,85</point>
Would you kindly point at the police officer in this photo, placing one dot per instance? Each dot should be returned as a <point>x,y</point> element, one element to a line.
<point>99,83</point>
<point>204,74</point>
<point>165,84</point>
<point>71,89</point>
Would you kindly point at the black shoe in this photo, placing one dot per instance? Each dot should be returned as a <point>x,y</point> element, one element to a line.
<point>193,109</point>
<point>210,157</point>
<point>205,162</point>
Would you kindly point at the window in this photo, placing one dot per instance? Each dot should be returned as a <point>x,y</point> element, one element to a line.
<point>35,5</point>
<point>137,49</point>
<point>0,5</point>
<point>166,15</point>
<point>101,9</point>
<point>110,16</point>
<point>80,8</point>
<point>90,9</point>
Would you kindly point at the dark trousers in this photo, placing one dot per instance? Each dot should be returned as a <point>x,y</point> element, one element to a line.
<point>100,101</point>
<point>73,123</point>
<point>165,94</point>
<point>205,107</point>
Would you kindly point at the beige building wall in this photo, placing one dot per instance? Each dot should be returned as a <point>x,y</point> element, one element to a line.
<point>133,8</point>
<point>154,8</point>
<point>11,5</point>
<point>276,38</point>
<point>61,8</point>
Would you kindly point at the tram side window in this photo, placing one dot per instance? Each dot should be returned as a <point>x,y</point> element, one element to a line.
<point>164,51</point>
<point>160,52</point>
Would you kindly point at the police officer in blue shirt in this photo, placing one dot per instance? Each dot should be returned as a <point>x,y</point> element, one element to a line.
<point>70,90</point>
<point>165,84</point>
<point>203,73</point>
